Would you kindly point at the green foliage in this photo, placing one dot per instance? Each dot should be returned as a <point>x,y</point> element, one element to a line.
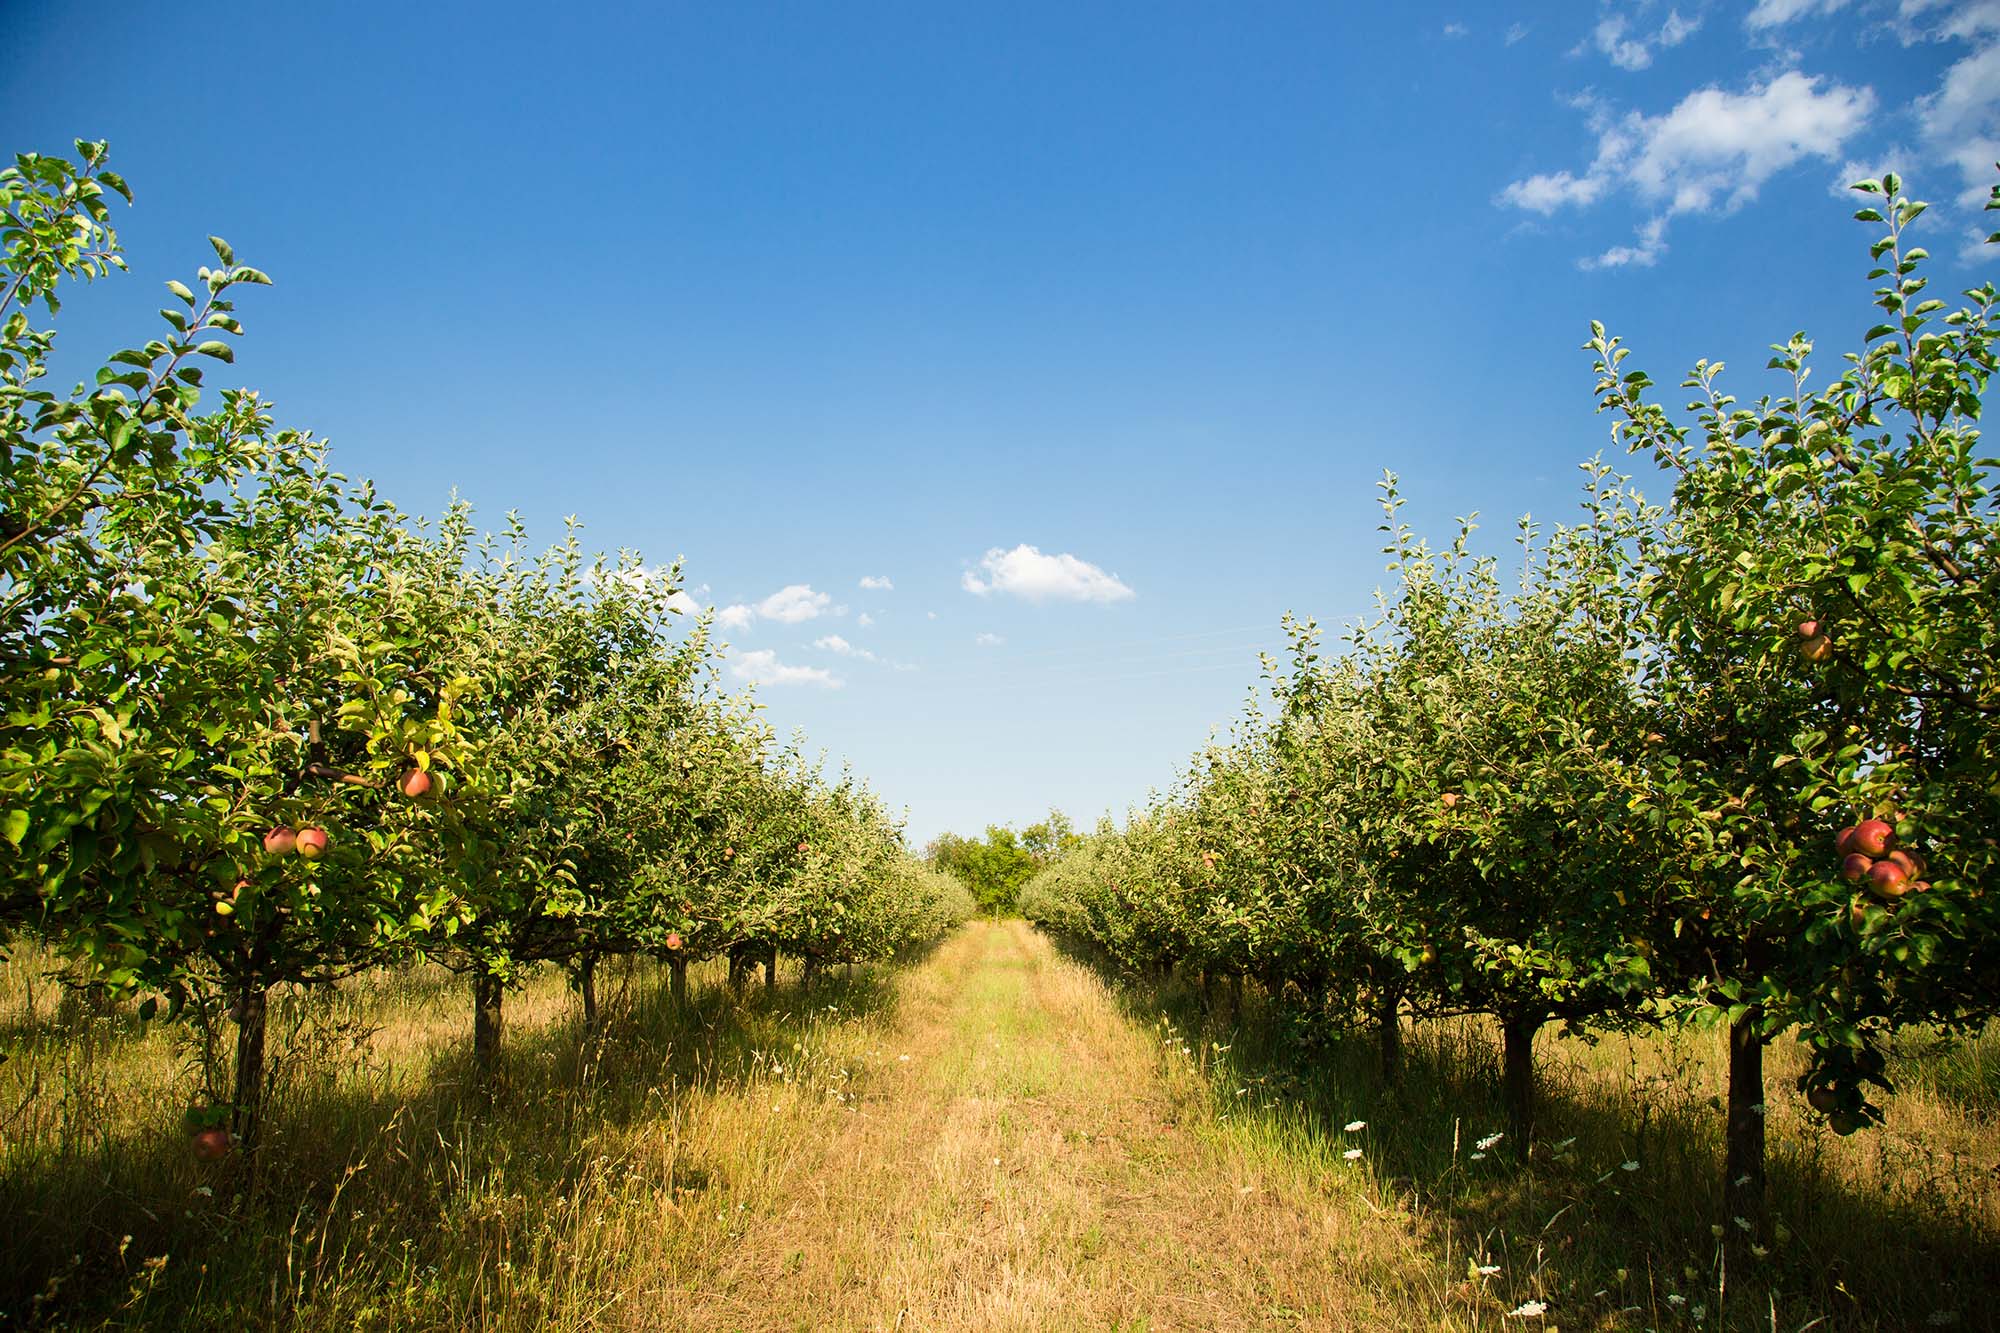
<point>994,868</point>
<point>1609,790</point>
<point>215,650</point>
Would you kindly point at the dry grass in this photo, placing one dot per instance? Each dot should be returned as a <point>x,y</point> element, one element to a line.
<point>1612,1226</point>
<point>992,1138</point>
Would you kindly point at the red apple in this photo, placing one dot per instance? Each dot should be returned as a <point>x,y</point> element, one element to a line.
<point>1887,880</point>
<point>212,1144</point>
<point>1808,629</point>
<point>673,939</point>
<point>415,783</point>
<point>312,843</point>
<point>1854,866</point>
<point>280,841</point>
<point>1912,867</point>
<point>1450,799</point>
<point>1823,1099</point>
<point>1843,842</point>
<point>1874,837</point>
<point>1816,649</point>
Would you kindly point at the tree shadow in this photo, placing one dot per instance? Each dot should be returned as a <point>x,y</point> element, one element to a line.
<point>1612,1219</point>
<point>369,1182</point>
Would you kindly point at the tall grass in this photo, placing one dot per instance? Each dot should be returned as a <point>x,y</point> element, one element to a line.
<point>1614,1220</point>
<point>392,1190</point>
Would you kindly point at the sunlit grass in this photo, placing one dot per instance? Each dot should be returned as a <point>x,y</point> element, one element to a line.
<point>1614,1222</point>
<point>390,1193</point>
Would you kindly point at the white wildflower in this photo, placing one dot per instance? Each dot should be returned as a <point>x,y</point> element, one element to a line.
<point>1528,1310</point>
<point>1356,1126</point>
<point>1352,1154</point>
<point>1628,1166</point>
<point>1486,1144</point>
<point>1487,1270</point>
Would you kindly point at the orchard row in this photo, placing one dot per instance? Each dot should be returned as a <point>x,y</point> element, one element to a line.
<point>260,727</point>
<point>1733,757</point>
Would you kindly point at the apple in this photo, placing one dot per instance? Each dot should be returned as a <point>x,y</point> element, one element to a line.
<point>1887,880</point>
<point>1808,629</point>
<point>1816,649</point>
<point>1912,866</point>
<point>280,841</point>
<point>1823,1099</point>
<point>1450,799</point>
<point>1844,1122</point>
<point>415,783</point>
<point>1874,837</point>
<point>1843,842</point>
<point>1429,954</point>
<point>312,843</point>
<point>1854,866</point>
<point>212,1144</point>
<point>673,939</point>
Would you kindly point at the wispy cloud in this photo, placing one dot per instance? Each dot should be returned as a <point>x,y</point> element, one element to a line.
<point>762,667</point>
<point>1629,49</point>
<point>877,582</point>
<point>1456,30</point>
<point>1515,32</point>
<point>1712,152</point>
<point>833,643</point>
<point>989,640</point>
<point>1777,13</point>
<point>1026,572</point>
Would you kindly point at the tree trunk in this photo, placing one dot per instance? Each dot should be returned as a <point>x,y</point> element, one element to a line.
<point>1517,1076</point>
<point>808,972</point>
<point>850,969</point>
<point>249,1100</point>
<point>677,981</point>
<point>485,1024</point>
<point>771,971</point>
<point>1236,995</point>
<point>739,969</point>
<point>1743,1164</point>
<point>1389,1028</point>
<point>586,982</point>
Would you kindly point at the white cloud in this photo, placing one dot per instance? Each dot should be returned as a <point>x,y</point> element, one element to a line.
<point>1645,254</point>
<point>1026,572</point>
<point>683,603</point>
<point>864,620</point>
<point>1456,30</point>
<point>1515,32</point>
<point>735,617</point>
<point>1549,191</point>
<point>989,640</point>
<point>1777,13</point>
<point>762,667</point>
<point>1961,120</point>
<point>877,583</point>
<point>930,615</point>
<point>1713,150</point>
<point>792,604</point>
<point>833,643</point>
<point>1633,52</point>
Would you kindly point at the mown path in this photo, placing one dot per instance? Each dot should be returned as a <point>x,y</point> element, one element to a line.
<point>1033,1164</point>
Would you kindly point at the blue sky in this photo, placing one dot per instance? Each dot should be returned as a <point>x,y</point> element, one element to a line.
<point>1087,330</point>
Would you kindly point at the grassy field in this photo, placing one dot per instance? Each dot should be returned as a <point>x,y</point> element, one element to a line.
<point>993,1137</point>
<point>1615,1224</point>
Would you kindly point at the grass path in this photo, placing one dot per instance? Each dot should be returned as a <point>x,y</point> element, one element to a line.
<point>1017,1156</point>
